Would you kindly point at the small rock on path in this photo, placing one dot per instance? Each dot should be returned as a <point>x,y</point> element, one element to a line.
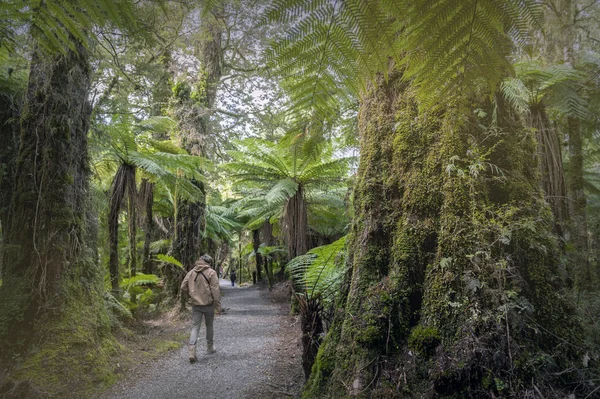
<point>244,337</point>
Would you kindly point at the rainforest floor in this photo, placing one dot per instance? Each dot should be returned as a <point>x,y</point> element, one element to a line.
<point>259,352</point>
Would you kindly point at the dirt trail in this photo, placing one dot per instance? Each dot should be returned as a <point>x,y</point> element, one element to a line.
<point>250,347</point>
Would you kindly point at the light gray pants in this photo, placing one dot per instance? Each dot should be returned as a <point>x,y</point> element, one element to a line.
<point>198,312</point>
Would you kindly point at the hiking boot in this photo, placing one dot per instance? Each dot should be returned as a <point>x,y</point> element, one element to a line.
<point>193,353</point>
<point>210,349</point>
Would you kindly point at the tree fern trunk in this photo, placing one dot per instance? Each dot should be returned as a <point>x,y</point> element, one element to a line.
<point>451,261</point>
<point>186,242</point>
<point>258,257</point>
<point>551,167</point>
<point>119,189</point>
<point>132,222</point>
<point>295,225</point>
<point>147,200</point>
<point>269,240</point>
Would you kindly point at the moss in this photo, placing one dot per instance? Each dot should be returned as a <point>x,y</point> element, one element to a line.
<point>424,340</point>
<point>199,95</point>
<point>167,345</point>
<point>75,355</point>
<point>181,90</point>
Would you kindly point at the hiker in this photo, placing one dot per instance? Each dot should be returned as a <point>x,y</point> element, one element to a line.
<point>232,277</point>
<point>202,284</point>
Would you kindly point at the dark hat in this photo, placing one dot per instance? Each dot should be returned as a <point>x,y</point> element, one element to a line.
<point>207,259</point>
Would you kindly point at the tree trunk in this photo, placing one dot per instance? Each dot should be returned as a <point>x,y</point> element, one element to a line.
<point>120,187</point>
<point>295,225</point>
<point>51,279</point>
<point>269,239</point>
<point>551,166</point>
<point>147,200</point>
<point>132,223</point>
<point>582,270</point>
<point>190,220</point>
<point>312,328</point>
<point>10,110</point>
<point>452,266</point>
<point>258,257</point>
<point>186,242</point>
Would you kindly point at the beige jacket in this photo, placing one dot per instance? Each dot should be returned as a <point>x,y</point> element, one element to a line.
<point>201,291</point>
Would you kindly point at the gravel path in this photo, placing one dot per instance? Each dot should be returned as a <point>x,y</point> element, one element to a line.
<point>243,338</point>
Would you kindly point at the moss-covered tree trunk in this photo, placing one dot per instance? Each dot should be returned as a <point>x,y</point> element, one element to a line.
<point>190,220</point>
<point>452,284</point>
<point>10,109</point>
<point>51,296</point>
<point>582,269</point>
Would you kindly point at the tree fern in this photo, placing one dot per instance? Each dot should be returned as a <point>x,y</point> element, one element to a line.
<point>557,86</point>
<point>270,174</point>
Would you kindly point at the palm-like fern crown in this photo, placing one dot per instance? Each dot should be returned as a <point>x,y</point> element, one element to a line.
<point>557,86</point>
<point>123,142</point>
<point>450,48</point>
<point>260,163</point>
<point>269,174</point>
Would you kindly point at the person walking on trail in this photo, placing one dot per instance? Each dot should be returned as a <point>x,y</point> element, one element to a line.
<point>202,285</point>
<point>232,277</point>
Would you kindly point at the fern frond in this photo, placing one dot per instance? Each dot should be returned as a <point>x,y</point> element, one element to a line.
<point>169,259</point>
<point>138,280</point>
<point>329,53</point>
<point>449,48</point>
<point>455,47</point>
<point>282,191</point>
<point>57,24</point>
<point>320,271</point>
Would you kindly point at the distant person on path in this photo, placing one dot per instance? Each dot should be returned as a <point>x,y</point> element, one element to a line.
<point>202,284</point>
<point>232,277</point>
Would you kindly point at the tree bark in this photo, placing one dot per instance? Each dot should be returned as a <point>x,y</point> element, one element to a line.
<point>551,167</point>
<point>10,109</point>
<point>450,234</point>
<point>295,225</point>
<point>121,186</point>
<point>132,223</point>
<point>147,200</point>
<point>258,257</point>
<point>50,261</point>
<point>190,220</point>
<point>270,240</point>
<point>582,270</point>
